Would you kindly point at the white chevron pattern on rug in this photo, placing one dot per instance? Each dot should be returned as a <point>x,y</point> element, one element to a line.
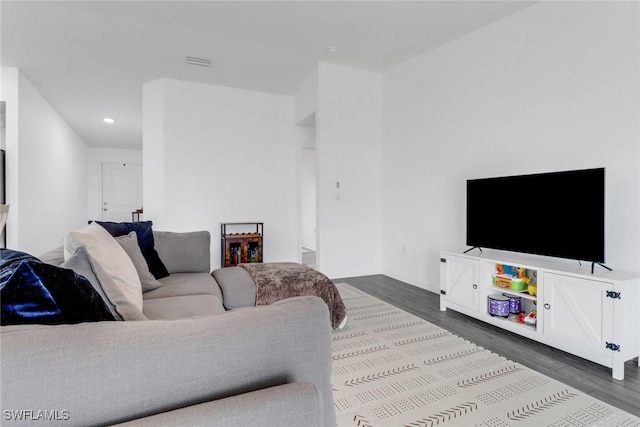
<point>391,368</point>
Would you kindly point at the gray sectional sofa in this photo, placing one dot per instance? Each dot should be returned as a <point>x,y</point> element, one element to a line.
<point>192,363</point>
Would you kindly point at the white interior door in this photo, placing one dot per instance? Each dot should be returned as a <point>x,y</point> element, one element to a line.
<point>121,191</point>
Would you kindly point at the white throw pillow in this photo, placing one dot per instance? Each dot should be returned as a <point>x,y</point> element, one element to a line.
<point>112,258</point>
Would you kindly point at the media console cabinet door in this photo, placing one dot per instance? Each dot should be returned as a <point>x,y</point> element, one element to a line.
<point>578,312</point>
<point>459,277</point>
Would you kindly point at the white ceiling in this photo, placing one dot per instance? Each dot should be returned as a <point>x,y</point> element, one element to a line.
<point>89,59</point>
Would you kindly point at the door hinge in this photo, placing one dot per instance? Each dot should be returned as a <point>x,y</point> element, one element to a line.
<point>443,292</point>
<point>614,295</point>
<point>613,347</point>
<point>443,260</point>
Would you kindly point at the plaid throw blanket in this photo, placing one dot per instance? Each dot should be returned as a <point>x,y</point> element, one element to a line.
<point>279,280</point>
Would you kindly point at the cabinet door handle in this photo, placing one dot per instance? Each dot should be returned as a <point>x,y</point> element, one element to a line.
<point>475,286</point>
<point>547,306</point>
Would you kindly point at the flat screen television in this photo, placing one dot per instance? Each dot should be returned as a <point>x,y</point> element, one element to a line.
<point>558,214</point>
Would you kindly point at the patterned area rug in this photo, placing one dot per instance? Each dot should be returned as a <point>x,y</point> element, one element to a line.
<point>391,368</point>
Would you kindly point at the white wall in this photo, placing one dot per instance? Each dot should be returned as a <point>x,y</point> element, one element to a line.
<point>46,169</point>
<point>553,87</point>
<point>95,158</point>
<point>216,154</point>
<point>348,150</point>
<point>153,153</point>
<point>305,101</point>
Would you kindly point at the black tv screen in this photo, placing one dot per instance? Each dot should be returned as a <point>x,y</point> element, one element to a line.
<point>558,214</point>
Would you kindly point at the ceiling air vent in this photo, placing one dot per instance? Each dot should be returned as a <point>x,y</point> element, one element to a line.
<point>198,61</point>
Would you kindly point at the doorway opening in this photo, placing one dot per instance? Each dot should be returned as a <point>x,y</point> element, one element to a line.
<point>308,206</point>
<point>307,184</point>
<point>121,191</point>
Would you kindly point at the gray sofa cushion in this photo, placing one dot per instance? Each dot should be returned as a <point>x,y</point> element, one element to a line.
<point>179,284</point>
<point>297,404</point>
<point>237,285</point>
<point>184,252</point>
<point>182,307</point>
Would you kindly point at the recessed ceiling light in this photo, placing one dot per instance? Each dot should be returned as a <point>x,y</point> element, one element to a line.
<point>332,50</point>
<point>108,120</point>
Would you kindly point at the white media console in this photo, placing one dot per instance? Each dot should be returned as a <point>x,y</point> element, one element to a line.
<point>593,316</point>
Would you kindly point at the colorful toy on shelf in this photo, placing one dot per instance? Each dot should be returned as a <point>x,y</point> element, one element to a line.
<point>531,318</point>
<point>502,280</point>
<point>527,276</point>
<point>522,273</point>
<point>518,284</point>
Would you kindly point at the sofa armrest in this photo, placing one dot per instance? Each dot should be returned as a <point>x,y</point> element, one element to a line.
<point>110,372</point>
<point>297,404</point>
<point>188,252</point>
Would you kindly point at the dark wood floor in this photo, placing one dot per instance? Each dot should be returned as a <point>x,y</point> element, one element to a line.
<point>581,374</point>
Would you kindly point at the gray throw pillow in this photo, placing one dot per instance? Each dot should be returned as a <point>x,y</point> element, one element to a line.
<point>117,303</point>
<point>129,243</point>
